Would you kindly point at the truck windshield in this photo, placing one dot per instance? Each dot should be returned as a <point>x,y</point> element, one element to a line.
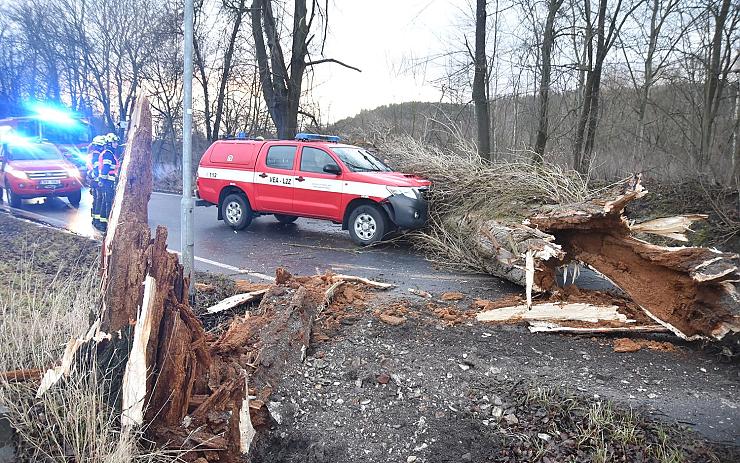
<point>33,152</point>
<point>75,134</point>
<point>359,160</point>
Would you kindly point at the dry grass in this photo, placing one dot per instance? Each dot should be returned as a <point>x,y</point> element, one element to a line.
<point>73,421</point>
<point>468,191</point>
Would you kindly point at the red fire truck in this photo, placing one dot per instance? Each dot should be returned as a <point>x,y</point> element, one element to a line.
<point>70,133</point>
<point>312,176</point>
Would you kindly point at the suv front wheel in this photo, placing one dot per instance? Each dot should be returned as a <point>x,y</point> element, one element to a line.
<point>236,212</point>
<point>368,224</point>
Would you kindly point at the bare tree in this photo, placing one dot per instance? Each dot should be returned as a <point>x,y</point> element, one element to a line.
<point>480,82</point>
<point>548,39</point>
<point>605,38</point>
<point>282,81</point>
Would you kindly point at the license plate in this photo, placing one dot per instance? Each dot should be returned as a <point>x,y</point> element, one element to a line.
<point>49,182</point>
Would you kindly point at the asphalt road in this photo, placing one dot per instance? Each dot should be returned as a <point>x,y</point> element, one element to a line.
<point>305,247</point>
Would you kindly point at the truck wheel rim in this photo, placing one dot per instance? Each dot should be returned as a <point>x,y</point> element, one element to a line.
<point>365,226</point>
<point>233,212</point>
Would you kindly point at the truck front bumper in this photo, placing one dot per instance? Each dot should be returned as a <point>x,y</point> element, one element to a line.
<point>405,212</point>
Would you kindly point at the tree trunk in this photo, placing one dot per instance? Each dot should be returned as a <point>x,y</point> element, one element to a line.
<point>228,56</point>
<point>712,84</point>
<point>544,91</point>
<point>480,82</point>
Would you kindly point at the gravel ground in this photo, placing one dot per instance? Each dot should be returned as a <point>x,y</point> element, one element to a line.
<point>426,392</point>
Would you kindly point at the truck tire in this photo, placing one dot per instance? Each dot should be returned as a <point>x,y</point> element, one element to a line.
<point>368,224</point>
<point>75,198</point>
<point>236,212</point>
<point>13,199</point>
<point>282,218</point>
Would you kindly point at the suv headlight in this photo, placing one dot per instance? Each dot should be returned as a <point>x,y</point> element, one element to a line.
<point>16,173</point>
<point>403,190</point>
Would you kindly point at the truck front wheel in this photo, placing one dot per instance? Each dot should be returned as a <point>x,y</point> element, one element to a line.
<point>236,212</point>
<point>75,198</point>
<point>14,200</point>
<point>368,224</point>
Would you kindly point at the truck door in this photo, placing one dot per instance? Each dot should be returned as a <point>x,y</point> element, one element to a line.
<point>317,193</point>
<point>274,179</point>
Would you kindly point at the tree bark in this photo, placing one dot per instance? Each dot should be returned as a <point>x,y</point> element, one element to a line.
<point>480,82</point>
<point>544,90</point>
<point>712,84</point>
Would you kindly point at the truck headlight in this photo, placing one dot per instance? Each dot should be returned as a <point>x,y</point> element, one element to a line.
<point>19,174</point>
<point>72,172</point>
<point>403,190</point>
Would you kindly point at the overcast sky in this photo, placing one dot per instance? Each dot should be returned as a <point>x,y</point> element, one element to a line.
<point>382,38</point>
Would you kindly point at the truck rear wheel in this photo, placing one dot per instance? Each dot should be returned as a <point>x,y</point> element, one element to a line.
<point>368,224</point>
<point>282,218</point>
<point>236,212</point>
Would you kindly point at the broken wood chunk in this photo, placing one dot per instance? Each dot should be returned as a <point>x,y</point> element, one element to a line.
<point>555,311</point>
<point>235,301</point>
<point>15,376</point>
<point>365,281</point>
<point>536,326</point>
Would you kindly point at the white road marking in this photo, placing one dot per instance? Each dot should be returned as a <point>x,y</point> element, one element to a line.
<point>166,194</point>
<point>231,268</point>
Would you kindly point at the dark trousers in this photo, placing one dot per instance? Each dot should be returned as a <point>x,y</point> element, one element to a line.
<point>102,201</point>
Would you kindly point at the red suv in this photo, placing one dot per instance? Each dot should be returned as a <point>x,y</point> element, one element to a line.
<point>311,176</point>
<point>31,170</point>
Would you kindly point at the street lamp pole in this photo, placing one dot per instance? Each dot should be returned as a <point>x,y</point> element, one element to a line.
<point>187,204</point>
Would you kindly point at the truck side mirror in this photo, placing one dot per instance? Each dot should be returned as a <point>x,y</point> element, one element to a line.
<point>332,169</point>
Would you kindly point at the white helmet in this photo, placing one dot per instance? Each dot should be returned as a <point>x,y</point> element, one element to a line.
<point>99,140</point>
<point>111,138</point>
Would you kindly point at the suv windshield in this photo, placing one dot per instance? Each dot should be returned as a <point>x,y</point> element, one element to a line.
<point>67,135</point>
<point>359,160</point>
<point>33,152</point>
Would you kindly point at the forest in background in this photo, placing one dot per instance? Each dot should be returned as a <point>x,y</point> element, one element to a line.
<point>606,87</point>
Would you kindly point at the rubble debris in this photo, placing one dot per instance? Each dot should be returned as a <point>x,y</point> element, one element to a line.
<point>420,293</point>
<point>391,319</point>
<point>235,301</point>
<point>452,296</point>
<point>554,311</point>
<point>625,345</point>
<point>204,288</point>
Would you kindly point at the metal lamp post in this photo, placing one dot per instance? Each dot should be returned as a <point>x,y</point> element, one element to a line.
<point>187,204</point>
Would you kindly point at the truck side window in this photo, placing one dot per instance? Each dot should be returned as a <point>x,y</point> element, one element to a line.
<point>314,160</point>
<point>281,157</point>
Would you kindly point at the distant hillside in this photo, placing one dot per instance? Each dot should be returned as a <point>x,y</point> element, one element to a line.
<point>424,120</point>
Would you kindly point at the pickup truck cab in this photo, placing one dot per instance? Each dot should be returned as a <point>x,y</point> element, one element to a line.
<point>312,176</point>
<point>31,169</point>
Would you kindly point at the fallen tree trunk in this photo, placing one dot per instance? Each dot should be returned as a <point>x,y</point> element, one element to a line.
<point>521,222</point>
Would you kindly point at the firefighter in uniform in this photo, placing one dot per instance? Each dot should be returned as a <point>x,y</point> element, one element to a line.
<point>106,182</point>
<point>93,171</point>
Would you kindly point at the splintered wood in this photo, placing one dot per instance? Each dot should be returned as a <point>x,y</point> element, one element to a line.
<point>688,290</point>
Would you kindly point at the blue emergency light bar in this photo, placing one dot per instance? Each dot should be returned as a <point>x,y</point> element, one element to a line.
<point>316,137</point>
